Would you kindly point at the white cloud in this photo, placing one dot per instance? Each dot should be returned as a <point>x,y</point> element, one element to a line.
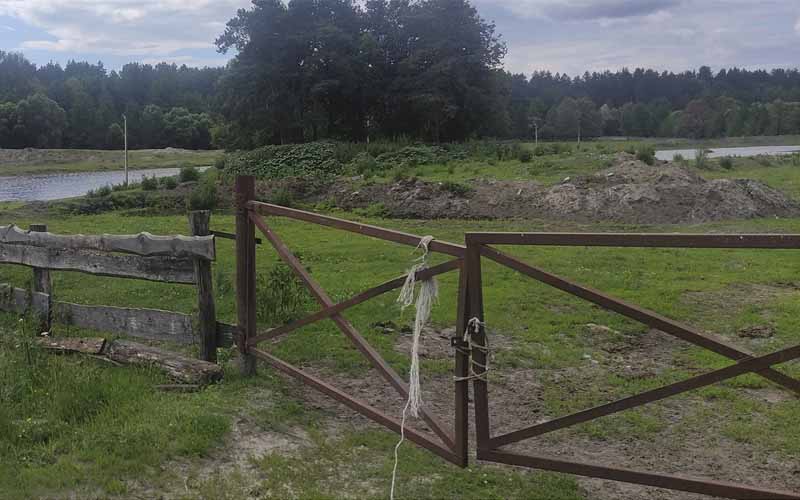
<point>586,10</point>
<point>718,33</point>
<point>143,28</point>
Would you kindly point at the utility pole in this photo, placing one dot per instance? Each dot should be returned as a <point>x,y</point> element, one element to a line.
<point>125,120</point>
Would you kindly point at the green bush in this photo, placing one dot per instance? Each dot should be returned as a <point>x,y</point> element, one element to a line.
<point>189,174</point>
<point>169,183</point>
<point>315,160</point>
<point>525,156</point>
<point>364,164</point>
<point>149,183</point>
<point>646,154</point>
<point>726,163</point>
<point>202,197</point>
<point>219,163</point>
<point>539,150</point>
<point>678,158</point>
<point>103,191</point>
<point>701,158</point>
<point>281,296</point>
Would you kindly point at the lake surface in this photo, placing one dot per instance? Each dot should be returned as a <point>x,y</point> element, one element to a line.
<point>690,154</point>
<point>44,187</point>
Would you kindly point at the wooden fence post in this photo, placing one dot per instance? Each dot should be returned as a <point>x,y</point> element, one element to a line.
<point>199,222</point>
<point>42,283</point>
<point>245,272</point>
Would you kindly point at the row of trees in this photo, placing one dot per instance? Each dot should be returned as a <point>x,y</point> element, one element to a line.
<point>707,117</point>
<point>81,105</point>
<point>425,69</point>
<point>429,69</point>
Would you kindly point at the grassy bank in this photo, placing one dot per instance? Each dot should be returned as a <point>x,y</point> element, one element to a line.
<point>35,161</point>
<point>78,426</point>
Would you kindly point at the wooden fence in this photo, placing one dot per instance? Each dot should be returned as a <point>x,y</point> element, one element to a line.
<point>169,259</point>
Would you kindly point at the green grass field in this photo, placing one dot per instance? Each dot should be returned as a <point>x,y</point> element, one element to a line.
<point>78,425</point>
<point>23,162</point>
<point>73,426</point>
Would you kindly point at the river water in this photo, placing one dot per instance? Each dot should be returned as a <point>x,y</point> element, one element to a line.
<point>690,154</point>
<point>43,187</point>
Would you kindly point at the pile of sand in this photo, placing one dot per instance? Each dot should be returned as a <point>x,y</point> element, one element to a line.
<point>628,192</point>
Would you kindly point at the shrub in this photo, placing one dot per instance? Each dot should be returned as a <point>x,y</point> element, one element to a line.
<point>726,163</point>
<point>364,163</point>
<point>646,154</point>
<point>701,158</point>
<point>282,298</point>
<point>764,161</point>
<point>202,197</point>
<point>149,183</point>
<point>525,156</point>
<point>219,163</point>
<point>103,191</point>
<point>678,158</point>
<point>316,159</point>
<point>540,150</point>
<point>169,182</point>
<point>189,174</point>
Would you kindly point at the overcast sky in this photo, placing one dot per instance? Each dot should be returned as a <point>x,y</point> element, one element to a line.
<point>569,36</point>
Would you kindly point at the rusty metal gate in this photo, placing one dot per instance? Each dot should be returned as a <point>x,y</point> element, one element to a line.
<point>448,444</point>
<point>490,447</point>
<point>470,359</point>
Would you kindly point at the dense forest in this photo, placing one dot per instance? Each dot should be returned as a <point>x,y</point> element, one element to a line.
<point>426,70</point>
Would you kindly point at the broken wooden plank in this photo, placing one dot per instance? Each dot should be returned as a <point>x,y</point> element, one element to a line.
<point>142,244</point>
<point>165,269</point>
<point>150,324</point>
<point>179,368</point>
<point>92,346</point>
<point>20,301</point>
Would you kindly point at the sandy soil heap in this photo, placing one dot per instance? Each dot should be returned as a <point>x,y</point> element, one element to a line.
<point>629,192</point>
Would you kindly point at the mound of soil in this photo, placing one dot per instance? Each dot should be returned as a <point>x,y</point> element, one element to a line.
<point>628,192</point>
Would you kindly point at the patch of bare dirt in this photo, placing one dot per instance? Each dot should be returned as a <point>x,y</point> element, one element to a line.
<point>235,458</point>
<point>628,192</point>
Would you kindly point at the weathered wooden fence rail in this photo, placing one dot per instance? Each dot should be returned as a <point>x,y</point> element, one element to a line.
<point>168,259</point>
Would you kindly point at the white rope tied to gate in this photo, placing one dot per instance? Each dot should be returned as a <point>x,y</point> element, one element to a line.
<point>428,295</point>
<point>474,327</point>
